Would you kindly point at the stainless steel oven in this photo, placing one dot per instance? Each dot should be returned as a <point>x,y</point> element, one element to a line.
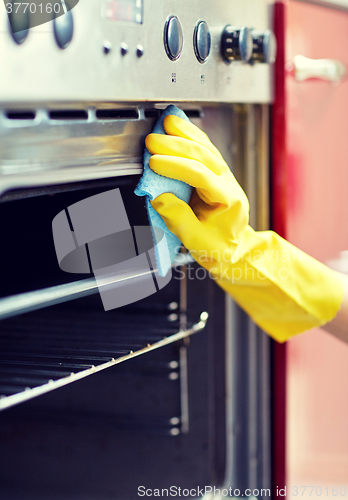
<point>173,390</point>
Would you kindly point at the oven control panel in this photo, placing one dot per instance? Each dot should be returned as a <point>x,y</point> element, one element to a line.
<point>136,50</point>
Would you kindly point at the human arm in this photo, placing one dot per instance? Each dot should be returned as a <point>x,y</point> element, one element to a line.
<point>339,325</point>
<point>284,290</point>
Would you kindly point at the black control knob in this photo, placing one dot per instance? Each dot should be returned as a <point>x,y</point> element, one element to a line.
<point>236,44</point>
<point>140,50</point>
<point>202,41</point>
<point>264,47</point>
<point>173,38</point>
<point>124,49</point>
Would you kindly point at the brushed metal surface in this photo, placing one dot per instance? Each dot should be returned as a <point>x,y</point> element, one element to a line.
<point>43,142</point>
<point>38,70</point>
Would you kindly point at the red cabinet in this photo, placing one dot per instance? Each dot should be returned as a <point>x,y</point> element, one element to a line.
<point>310,207</point>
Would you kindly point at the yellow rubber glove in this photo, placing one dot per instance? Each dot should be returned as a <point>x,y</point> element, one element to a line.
<point>284,290</point>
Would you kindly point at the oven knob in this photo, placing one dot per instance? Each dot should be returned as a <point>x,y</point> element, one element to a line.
<point>264,47</point>
<point>173,38</point>
<point>63,29</point>
<point>107,47</point>
<point>124,49</point>
<point>19,22</point>
<point>140,51</point>
<point>236,44</point>
<point>202,41</point>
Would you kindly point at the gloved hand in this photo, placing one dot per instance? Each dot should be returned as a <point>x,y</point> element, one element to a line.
<point>284,290</point>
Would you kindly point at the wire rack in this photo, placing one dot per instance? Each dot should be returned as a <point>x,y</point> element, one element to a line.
<point>42,351</point>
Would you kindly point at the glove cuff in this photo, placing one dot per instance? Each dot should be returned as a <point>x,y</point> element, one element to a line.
<point>284,290</point>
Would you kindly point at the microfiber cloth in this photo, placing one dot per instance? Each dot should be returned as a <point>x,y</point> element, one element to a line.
<point>152,185</point>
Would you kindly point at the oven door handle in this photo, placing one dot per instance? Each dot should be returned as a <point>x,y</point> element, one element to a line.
<point>330,70</point>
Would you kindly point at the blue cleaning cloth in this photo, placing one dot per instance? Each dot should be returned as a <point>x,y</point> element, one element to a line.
<point>152,185</point>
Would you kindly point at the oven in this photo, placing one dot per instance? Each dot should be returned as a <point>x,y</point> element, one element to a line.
<point>171,393</point>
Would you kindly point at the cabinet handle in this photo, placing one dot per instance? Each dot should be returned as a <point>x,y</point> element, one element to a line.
<point>323,69</point>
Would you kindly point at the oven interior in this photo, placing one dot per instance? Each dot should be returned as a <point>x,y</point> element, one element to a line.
<point>188,411</point>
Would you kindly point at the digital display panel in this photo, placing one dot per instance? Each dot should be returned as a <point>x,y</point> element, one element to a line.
<point>125,10</point>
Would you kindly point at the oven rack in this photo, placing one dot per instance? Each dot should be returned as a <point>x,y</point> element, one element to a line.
<point>21,303</point>
<point>60,346</point>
